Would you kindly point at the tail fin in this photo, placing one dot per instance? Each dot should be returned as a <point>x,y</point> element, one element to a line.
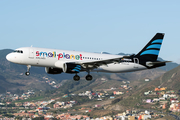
<point>151,51</point>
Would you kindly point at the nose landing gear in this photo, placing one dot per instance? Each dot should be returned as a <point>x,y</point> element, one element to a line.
<point>27,73</point>
<point>28,69</point>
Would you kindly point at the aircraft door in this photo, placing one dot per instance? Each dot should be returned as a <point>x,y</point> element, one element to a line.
<point>31,53</point>
<point>136,62</point>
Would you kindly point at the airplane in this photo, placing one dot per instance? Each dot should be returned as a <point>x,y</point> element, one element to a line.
<point>57,61</point>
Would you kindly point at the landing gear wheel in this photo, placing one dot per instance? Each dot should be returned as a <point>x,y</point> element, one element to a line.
<point>89,77</point>
<point>27,73</point>
<point>28,68</point>
<point>76,78</point>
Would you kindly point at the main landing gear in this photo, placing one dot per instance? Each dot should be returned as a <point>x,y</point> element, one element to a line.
<point>89,77</point>
<point>77,78</point>
<point>28,69</point>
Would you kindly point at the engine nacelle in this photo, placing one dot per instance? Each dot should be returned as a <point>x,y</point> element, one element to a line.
<point>51,70</point>
<point>71,68</point>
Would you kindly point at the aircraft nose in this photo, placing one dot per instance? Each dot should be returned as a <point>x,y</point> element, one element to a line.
<point>12,57</point>
<point>9,57</point>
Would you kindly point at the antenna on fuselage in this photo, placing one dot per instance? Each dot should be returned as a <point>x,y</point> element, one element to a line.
<point>31,45</point>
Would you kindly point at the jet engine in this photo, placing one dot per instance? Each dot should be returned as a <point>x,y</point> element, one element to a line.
<point>71,68</point>
<point>51,70</point>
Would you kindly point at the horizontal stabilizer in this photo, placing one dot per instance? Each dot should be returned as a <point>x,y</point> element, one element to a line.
<point>150,64</point>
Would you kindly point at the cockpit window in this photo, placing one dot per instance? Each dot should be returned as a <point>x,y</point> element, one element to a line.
<point>18,51</point>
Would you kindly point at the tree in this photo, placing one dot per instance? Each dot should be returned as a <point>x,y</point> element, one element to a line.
<point>38,118</point>
<point>116,100</point>
<point>135,87</point>
<point>18,117</point>
<point>157,104</point>
<point>8,115</point>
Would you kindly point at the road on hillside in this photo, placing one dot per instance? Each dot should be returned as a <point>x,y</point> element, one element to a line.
<point>175,116</point>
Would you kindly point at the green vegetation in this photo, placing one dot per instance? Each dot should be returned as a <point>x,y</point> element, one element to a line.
<point>134,100</point>
<point>116,100</point>
<point>32,99</point>
<point>8,115</point>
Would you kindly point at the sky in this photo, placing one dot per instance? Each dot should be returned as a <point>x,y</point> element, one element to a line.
<point>112,26</point>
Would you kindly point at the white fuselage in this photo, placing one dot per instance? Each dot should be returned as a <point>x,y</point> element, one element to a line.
<point>55,58</point>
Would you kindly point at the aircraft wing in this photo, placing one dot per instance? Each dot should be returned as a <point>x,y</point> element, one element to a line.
<point>97,63</point>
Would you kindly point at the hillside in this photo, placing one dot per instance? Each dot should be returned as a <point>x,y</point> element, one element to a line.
<point>12,77</point>
<point>170,79</point>
<point>107,81</point>
<point>169,66</point>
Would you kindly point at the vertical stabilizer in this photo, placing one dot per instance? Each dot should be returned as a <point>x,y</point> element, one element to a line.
<point>151,51</point>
